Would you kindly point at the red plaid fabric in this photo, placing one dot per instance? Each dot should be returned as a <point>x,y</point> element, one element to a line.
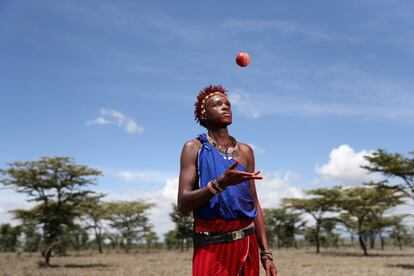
<point>239,257</point>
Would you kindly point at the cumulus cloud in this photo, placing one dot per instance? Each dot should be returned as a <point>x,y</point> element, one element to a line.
<point>343,167</point>
<point>111,116</point>
<point>275,186</point>
<point>10,200</point>
<point>143,176</point>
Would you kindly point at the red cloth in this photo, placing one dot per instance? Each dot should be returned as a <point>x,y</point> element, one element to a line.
<point>239,257</point>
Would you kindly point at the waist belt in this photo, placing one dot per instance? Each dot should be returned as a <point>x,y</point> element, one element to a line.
<point>210,238</point>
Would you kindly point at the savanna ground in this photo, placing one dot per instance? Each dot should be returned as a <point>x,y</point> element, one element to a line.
<point>163,262</point>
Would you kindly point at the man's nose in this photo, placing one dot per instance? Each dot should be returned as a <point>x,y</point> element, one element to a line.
<point>225,107</point>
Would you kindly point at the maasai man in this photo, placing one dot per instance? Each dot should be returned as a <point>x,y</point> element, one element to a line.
<point>216,183</point>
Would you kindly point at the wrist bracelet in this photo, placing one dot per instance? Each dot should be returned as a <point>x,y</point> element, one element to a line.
<point>216,185</point>
<point>263,252</point>
<point>212,189</point>
<point>266,256</point>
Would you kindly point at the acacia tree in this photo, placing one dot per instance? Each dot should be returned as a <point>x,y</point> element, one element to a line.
<point>171,240</point>
<point>329,236</point>
<point>32,238</point>
<point>94,212</point>
<point>183,227</point>
<point>318,206</point>
<point>359,204</point>
<point>150,238</point>
<point>130,218</point>
<point>394,165</point>
<point>9,237</point>
<point>283,224</point>
<point>400,232</point>
<point>56,184</point>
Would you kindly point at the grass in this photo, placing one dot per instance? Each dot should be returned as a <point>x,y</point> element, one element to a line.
<point>162,262</point>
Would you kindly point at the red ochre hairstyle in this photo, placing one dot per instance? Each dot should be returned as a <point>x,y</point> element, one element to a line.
<point>198,105</point>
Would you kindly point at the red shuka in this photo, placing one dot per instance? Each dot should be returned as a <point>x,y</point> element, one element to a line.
<point>240,257</point>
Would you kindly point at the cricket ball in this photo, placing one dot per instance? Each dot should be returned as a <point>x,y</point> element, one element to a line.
<point>243,59</point>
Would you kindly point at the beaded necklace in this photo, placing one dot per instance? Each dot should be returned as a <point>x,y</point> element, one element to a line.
<point>232,151</point>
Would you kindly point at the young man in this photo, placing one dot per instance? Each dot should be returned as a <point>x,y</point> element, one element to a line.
<point>217,184</point>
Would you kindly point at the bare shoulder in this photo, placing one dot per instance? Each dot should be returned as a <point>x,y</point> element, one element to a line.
<point>191,147</point>
<point>245,148</point>
<point>192,144</point>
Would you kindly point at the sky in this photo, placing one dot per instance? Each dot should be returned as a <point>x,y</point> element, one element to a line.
<point>113,83</point>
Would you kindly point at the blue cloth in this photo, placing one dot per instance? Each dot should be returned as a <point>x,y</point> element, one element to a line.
<point>236,201</point>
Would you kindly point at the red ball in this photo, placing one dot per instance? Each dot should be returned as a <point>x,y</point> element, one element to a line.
<point>243,59</point>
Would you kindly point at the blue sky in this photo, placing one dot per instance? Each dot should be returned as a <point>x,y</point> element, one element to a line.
<point>112,84</point>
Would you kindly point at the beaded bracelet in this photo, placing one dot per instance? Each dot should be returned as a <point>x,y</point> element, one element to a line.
<point>216,185</point>
<point>212,189</point>
<point>266,256</point>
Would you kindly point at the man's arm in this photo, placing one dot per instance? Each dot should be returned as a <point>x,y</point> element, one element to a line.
<point>189,198</point>
<point>268,265</point>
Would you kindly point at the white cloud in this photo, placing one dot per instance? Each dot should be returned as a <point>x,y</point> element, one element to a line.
<point>343,167</point>
<point>170,190</point>
<point>111,116</point>
<point>10,200</point>
<point>98,121</point>
<point>275,186</point>
<point>143,176</point>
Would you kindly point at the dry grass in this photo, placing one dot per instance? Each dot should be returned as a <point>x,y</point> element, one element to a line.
<point>289,262</point>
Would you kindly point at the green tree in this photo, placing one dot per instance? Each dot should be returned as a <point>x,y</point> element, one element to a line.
<point>94,212</point>
<point>78,237</point>
<point>399,232</point>
<point>9,237</point>
<point>183,227</point>
<point>359,204</point>
<point>319,205</point>
<point>171,240</point>
<point>150,238</point>
<point>394,165</point>
<point>32,238</point>
<point>130,218</point>
<point>57,185</point>
<point>328,232</point>
<point>283,225</point>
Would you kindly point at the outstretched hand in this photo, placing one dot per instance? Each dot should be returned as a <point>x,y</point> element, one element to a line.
<point>232,176</point>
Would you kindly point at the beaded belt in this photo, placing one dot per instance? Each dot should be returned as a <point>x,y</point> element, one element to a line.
<point>211,238</point>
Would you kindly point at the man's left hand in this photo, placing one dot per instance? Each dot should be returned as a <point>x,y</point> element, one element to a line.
<point>270,268</point>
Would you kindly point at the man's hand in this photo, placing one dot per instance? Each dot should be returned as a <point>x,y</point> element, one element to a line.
<point>232,176</point>
<point>270,267</point>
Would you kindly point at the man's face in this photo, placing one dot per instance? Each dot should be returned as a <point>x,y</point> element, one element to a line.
<point>218,111</point>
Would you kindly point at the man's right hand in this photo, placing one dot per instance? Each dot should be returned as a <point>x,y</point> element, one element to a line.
<point>233,177</point>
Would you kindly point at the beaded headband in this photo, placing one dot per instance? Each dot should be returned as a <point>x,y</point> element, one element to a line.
<point>204,102</point>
